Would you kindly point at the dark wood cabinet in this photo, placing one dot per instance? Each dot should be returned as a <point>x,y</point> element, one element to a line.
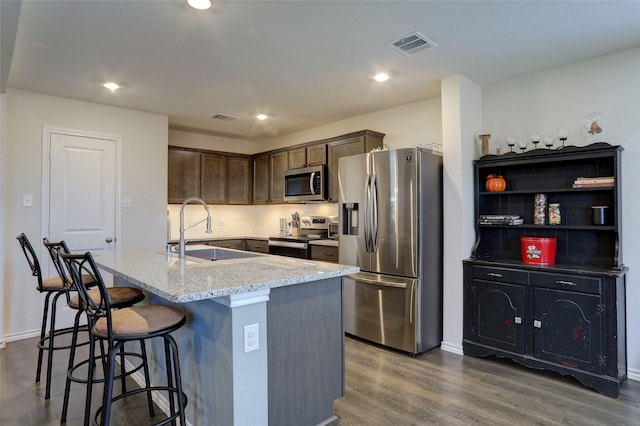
<point>259,246</point>
<point>352,144</point>
<point>238,180</point>
<point>278,164</point>
<point>236,244</point>
<point>261,179</point>
<point>183,175</point>
<point>213,178</point>
<point>297,158</point>
<point>324,253</point>
<point>569,316</point>
<point>317,155</point>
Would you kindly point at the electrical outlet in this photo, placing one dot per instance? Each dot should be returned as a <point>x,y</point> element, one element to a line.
<point>251,338</point>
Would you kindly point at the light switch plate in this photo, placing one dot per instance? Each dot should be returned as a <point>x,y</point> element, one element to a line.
<point>27,200</point>
<point>126,202</point>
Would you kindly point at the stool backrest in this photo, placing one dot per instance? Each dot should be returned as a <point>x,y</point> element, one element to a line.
<point>32,258</point>
<point>53,249</point>
<point>77,265</point>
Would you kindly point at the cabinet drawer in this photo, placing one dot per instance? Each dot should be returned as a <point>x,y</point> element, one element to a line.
<point>328,254</point>
<point>566,282</point>
<point>260,246</point>
<point>231,244</point>
<point>502,275</point>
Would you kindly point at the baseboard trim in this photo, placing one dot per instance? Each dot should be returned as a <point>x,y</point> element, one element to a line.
<point>633,374</point>
<point>21,336</point>
<point>449,347</point>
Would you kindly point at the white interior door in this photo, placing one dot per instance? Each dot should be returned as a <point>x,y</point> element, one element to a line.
<point>79,195</point>
<point>82,192</point>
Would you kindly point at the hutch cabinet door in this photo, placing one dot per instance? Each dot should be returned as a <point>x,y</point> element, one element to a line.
<point>497,315</point>
<point>568,329</point>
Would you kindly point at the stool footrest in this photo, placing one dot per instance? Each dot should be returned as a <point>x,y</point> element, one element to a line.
<point>171,390</point>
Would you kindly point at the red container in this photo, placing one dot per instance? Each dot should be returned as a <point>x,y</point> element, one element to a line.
<point>538,251</point>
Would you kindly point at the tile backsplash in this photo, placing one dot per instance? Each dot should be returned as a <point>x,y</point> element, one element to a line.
<point>240,221</point>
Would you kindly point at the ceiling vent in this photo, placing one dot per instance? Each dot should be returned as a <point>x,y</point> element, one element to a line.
<point>411,43</point>
<point>224,117</point>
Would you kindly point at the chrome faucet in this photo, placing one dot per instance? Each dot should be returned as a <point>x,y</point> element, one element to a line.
<point>182,228</point>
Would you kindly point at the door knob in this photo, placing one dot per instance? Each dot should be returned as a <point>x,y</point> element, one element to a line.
<point>109,239</point>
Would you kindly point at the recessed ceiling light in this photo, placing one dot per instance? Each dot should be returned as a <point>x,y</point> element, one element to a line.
<point>381,77</point>
<point>262,116</point>
<point>111,86</point>
<point>199,4</point>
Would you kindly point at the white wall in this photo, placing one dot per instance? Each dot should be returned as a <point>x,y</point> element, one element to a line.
<point>2,155</point>
<point>562,97</point>
<point>404,126</point>
<point>144,179</point>
<point>215,143</point>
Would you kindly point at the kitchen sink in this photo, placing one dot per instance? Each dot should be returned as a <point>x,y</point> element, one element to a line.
<point>217,253</point>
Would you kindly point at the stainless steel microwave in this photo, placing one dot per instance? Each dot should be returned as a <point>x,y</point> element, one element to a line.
<point>307,184</point>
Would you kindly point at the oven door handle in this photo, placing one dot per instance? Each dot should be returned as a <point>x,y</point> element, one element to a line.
<point>383,283</point>
<point>289,244</point>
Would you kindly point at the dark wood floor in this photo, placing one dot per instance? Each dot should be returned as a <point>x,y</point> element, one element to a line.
<point>383,387</point>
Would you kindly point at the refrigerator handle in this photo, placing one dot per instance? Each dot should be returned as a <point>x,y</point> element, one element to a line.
<point>313,174</point>
<point>366,212</point>
<point>374,215</point>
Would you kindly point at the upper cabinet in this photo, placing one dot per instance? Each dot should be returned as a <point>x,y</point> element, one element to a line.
<point>314,155</point>
<point>352,144</point>
<point>261,179</point>
<point>214,177</point>
<point>239,180</point>
<point>278,164</point>
<point>184,175</point>
<point>225,178</point>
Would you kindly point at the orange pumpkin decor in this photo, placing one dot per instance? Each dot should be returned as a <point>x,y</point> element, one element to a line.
<point>496,183</point>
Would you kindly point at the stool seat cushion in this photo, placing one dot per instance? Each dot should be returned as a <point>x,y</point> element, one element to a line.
<point>118,296</point>
<point>56,284</point>
<point>140,321</point>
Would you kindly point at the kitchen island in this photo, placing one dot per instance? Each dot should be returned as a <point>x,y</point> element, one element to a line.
<point>289,372</point>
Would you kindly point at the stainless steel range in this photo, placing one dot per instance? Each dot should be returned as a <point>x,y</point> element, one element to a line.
<point>311,228</point>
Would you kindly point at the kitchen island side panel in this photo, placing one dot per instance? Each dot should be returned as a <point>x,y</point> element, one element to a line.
<point>306,352</point>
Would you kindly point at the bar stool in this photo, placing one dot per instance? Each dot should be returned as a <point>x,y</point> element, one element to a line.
<point>119,297</point>
<point>52,287</point>
<point>136,323</point>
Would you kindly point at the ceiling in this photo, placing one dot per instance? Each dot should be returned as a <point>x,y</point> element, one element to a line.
<point>303,63</point>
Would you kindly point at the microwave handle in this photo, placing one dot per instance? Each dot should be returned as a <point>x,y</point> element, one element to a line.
<point>313,174</point>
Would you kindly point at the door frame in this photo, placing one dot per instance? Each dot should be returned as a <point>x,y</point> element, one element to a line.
<point>47,132</point>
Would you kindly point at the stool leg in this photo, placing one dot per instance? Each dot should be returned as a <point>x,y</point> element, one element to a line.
<point>167,357</point>
<point>90,374</point>
<point>108,383</point>
<point>123,380</point>
<point>52,333</point>
<point>72,355</point>
<point>43,332</point>
<point>178,374</point>
<point>147,379</point>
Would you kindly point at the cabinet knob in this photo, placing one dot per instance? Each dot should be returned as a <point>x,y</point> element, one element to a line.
<point>537,324</point>
<point>517,320</point>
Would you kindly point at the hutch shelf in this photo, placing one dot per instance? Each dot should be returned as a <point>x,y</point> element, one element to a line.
<point>569,316</point>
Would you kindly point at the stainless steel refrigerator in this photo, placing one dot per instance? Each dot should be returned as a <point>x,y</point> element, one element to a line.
<point>390,205</point>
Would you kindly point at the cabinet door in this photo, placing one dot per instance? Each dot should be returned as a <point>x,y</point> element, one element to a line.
<point>324,253</point>
<point>338,149</point>
<point>213,178</point>
<point>230,244</point>
<point>568,329</point>
<point>238,180</point>
<point>261,179</point>
<point>183,175</point>
<point>278,164</point>
<point>260,246</point>
<point>297,158</point>
<point>497,315</point>
<point>317,155</point>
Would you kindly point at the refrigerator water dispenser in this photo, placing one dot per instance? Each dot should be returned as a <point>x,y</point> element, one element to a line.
<point>350,224</point>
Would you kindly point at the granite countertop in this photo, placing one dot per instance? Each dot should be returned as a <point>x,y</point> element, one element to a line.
<point>191,279</point>
<point>205,239</point>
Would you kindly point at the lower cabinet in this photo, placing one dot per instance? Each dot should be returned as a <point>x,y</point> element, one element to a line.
<point>572,323</point>
<point>260,246</point>
<point>237,244</point>
<point>324,253</point>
